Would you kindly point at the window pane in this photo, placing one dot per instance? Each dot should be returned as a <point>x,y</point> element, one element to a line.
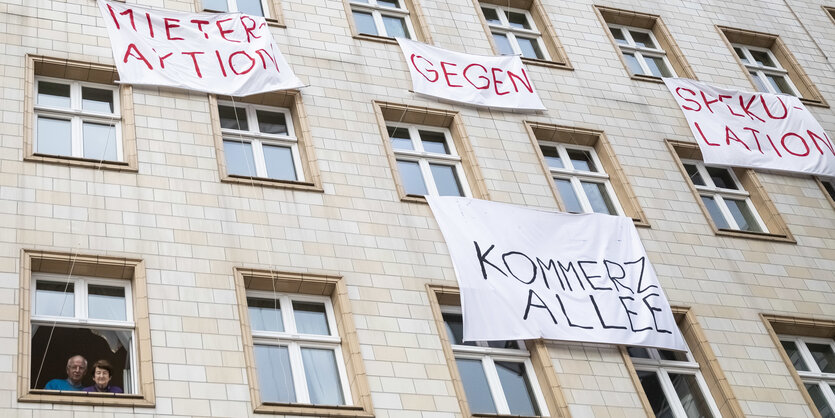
<point>632,63</point>
<point>819,399</point>
<point>322,376</point>
<point>715,213</point>
<point>794,356</point>
<point>97,100</point>
<point>388,3</point>
<point>619,36</point>
<point>518,20</point>
<point>741,54</point>
<point>823,355</point>
<point>722,178</point>
<point>365,23</point>
<point>311,318</point>
<point>517,388</point>
<point>780,84</point>
<point>400,138</point>
<point>658,67</point>
<point>830,188</point>
<point>475,386</point>
<point>395,27</point>
<point>758,82</point>
<point>743,215</point>
<point>691,396</point>
<point>694,174</point>
<point>274,374</point>
<point>265,314</point>
<point>233,118</point>
<point>509,344</point>
<point>762,58</point>
<point>239,159</point>
<point>455,329</point>
<point>99,141</point>
<point>638,352</point>
<point>581,160</point>
<point>503,44</point>
<point>271,122</point>
<point>642,39</point>
<point>250,7</point>
<point>529,48</point>
<point>446,180</point>
<point>572,204</point>
<point>434,142</point>
<point>53,94</point>
<point>491,15</point>
<point>54,136</point>
<point>217,5</point>
<point>673,355</point>
<point>106,302</point>
<point>552,157</point>
<point>279,161</point>
<point>412,178</point>
<point>599,198</point>
<point>657,400</point>
<point>54,299</point>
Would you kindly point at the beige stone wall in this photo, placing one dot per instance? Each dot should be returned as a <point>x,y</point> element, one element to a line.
<point>191,230</point>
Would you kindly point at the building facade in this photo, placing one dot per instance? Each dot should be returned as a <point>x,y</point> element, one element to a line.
<point>274,255</point>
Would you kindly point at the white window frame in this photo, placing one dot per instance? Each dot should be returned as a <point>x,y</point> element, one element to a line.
<point>295,341</point>
<point>488,356</point>
<point>377,12</point>
<point>257,139</point>
<point>662,369</point>
<point>641,52</point>
<point>760,72</point>
<point>423,158</point>
<point>80,318</point>
<point>232,7</point>
<point>814,376</point>
<point>719,194</point>
<point>511,32</point>
<point>77,116</point>
<point>576,176</point>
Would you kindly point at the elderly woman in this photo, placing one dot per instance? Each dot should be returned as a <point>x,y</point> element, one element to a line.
<point>102,372</point>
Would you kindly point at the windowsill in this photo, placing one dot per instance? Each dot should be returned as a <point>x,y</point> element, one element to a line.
<point>548,64</point>
<point>81,162</point>
<point>755,235</point>
<point>85,398</point>
<point>280,184</point>
<point>814,102</point>
<point>312,410</point>
<point>376,38</point>
<point>649,78</point>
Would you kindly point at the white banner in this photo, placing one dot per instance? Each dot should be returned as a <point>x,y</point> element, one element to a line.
<point>223,53</point>
<point>757,130</point>
<point>475,79</point>
<point>526,274</point>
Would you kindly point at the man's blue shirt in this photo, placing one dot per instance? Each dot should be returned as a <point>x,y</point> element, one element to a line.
<point>62,384</point>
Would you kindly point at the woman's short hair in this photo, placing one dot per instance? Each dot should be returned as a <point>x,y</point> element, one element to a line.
<point>103,364</point>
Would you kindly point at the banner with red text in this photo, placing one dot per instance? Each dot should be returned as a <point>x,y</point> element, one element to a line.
<point>526,274</point>
<point>756,130</point>
<point>223,53</point>
<point>475,79</point>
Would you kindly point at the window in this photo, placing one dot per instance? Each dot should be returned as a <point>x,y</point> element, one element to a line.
<point>383,18</point>
<point>87,306</point>
<point>260,140</point>
<point>266,8</point>
<point>828,187</point>
<point>522,28</point>
<point>733,199</point>
<point>585,176</point>
<point>770,65</point>
<point>814,361</point>
<point>428,152</point>
<point>78,115</point>
<point>646,47</point>
<point>300,344</point>
<point>830,11</point>
<point>722,194</point>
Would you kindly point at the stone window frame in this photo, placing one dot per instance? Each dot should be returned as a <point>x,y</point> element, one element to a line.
<point>557,56</point>
<point>777,325</point>
<point>99,267</point>
<point>290,100</point>
<point>719,388</point>
<point>546,375</point>
<point>328,286</point>
<point>655,25</point>
<point>827,186</point>
<point>597,141</point>
<point>38,66</point>
<point>808,92</point>
<point>765,207</point>
<point>417,115</point>
<point>412,12</point>
<point>274,15</point>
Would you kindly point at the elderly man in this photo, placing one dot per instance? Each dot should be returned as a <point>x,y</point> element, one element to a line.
<point>76,367</point>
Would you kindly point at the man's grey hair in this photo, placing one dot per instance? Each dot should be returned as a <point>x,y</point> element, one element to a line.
<point>69,361</point>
